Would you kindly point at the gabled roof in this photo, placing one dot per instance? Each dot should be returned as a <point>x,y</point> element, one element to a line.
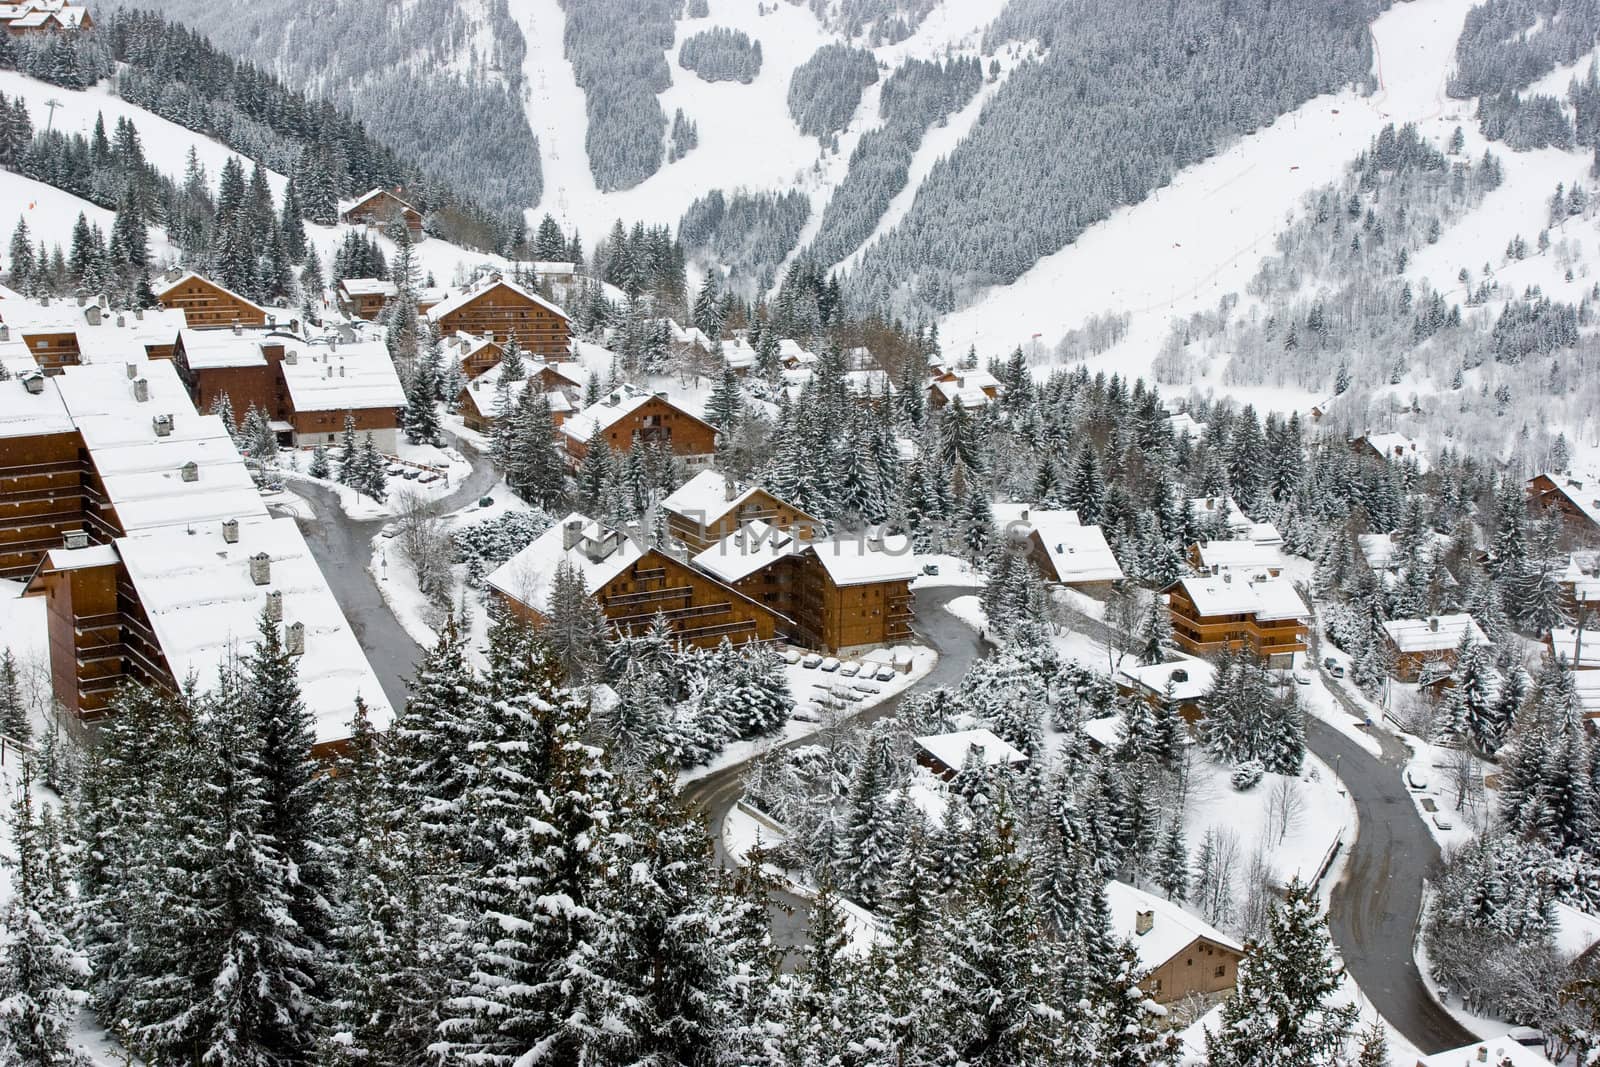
<point>951,749</point>
<point>1437,633</point>
<point>1171,928</point>
<point>704,499</point>
<point>1586,501</point>
<point>615,406</point>
<point>28,414</point>
<point>1563,641</point>
<point>354,376</point>
<point>347,206</point>
<point>1076,553</point>
<point>369,287</point>
<point>598,554</point>
<point>1269,600</point>
<point>747,550</point>
<point>1396,446</point>
<point>217,349</point>
<point>1500,1050</point>
<point>1236,555</point>
<point>1190,677</point>
<point>167,287</point>
<point>461,298</point>
<point>197,591</point>
<point>857,561</point>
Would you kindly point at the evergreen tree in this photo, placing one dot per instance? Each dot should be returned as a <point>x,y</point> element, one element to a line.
<point>1278,1013</point>
<point>13,709</point>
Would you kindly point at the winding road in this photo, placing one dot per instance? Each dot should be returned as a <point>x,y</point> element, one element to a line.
<point>1375,906</point>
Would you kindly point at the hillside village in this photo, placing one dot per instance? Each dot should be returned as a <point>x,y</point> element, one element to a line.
<point>471,638</point>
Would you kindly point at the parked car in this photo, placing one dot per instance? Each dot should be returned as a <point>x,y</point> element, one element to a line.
<point>830,664</point>
<point>1442,821</point>
<point>811,661</point>
<point>791,657</point>
<point>389,532</point>
<point>1302,678</point>
<point>1526,1036</point>
<point>886,674</point>
<point>1416,778</point>
<point>930,569</point>
<point>485,501</point>
<point>850,669</point>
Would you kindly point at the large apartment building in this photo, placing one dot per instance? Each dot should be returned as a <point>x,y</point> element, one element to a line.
<point>1228,612</point>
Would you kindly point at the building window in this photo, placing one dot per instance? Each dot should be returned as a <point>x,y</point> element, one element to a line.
<point>1188,963</point>
<point>1222,970</point>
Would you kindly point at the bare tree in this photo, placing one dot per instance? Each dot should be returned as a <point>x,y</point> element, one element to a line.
<point>1466,777</point>
<point>426,546</point>
<point>1284,806</point>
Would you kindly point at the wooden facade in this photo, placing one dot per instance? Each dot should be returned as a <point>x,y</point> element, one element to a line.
<point>838,617</point>
<point>700,610</point>
<point>655,421</point>
<point>700,532</point>
<point>1200,634</point>
<point>363,301</point>
<point>379,208</point>
<point>52,349</point>
<point>41,497</point>
<point>476,355</point>
<point>504,312</point>
<point>1567,497</point>
<point>1204,968</point>
<point>208,306</point>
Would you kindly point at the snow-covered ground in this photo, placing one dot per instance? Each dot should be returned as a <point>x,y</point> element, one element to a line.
<point>51,214</point>
<point>747,138</point>
<point>1204,235</point>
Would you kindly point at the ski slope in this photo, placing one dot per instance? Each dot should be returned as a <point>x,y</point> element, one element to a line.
<point>747,138</point>
<point>166,144</point>
<point>1204,235</point>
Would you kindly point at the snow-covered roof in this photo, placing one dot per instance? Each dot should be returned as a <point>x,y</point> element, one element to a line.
<point>1250,556</point>
<point>1496,1053</point>
<point>1078,553</point>
<point>1564,645</point>
<point>969,397</point>
<point>123,335</point>
<point>1106,732</point>
<point>1224,594</point>
<point>72,559</point>
<point>706,498</point>
<point>346,205</point>
<point>857,561</point>
<point>746,551</point>
<point>1588,502</point>
<point>354,376</point>
<point>1585,585</point>
<point>25,413</point>
<point>1183,423</point>
<point>369,287</point>
<point>1189,677</point>
<point>167,287</point>
<point>1207,506</point>
<point>1587,686</point>
<point>598,553</point>
<point>203,605</point>
<point>484,393</point>
<point>143,470</point>
<point>1398,447</point>
<point>216,349</point>
<point>1171,928</point>
<point>1437,633</point>
<point>864,383</point>
<point>1576,931</point>
<point>461,298</point>
<point>951,749</point>
<point>1265,534</point>
<point>610,409</point>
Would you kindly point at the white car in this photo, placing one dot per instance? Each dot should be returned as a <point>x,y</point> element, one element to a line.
<point>1442,821</point>
<point>830,664</point>
<point>1302,678</point>
<point>811,661</point>
<point>886,674</point>
<point>791,657</point>
<point>849,670</point>
<point>1416,779</point>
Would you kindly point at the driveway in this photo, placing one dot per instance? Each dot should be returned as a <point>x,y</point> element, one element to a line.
<point>343,550</point>
<point>714,795</point>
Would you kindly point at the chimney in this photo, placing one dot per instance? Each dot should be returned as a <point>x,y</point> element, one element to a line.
<point>341,370</point>
<point>44,301</point>
<point>82,300</point>
<point>162,425</point>
<point>138,314</point>
<point>261,568</point>
<point>122,320</point>
<point>230,531</point>
<point>291,357</point>
<point>294,639</point>
<point>1227,577</point>
<point>238,330</point>
<point>730,490</point>
<point>1024,514</point>
<point>191,471</point>
<point>1483,1053</point>
<point>77,539</point>
<point>141,389</point>
<point>571,534</point>
<point>275,605</point>
<point>91,314</point>
<point>5,332</point>
<point>132,369</point>
<point>1143,922</point>
<point>612,399</point>
<point>1433,624</point>
<point>33,383</point>
<point>103,300</point>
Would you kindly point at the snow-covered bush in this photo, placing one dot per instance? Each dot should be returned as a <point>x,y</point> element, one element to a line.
<point>483,546</point>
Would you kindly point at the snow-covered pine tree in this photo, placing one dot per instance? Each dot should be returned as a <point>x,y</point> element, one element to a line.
<point>1280,1012</point>
<point>349,453</point>
<point>41,974</point>
<point>577,629</point>
<point>320,467</point>
<point>421,418</point>
<point>13,708</point>
<point>1127,1023</point>
<point>1172,864</point>
<point>374,479</point>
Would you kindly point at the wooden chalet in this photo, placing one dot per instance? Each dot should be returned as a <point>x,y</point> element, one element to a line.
<point>380,207</point>
<point>60,333</point>
<point>42,473</point>
<point>365,298</point>
<point>946,754</point>
<point>710,506</point>
<point>1252,558</point>
<point>478,401</point>
<point>1066,553</point>
<point>207,305</point>
<point>1393,447</point>
<point>1183,956</point>
<point>967,389</point>
<point>632,584</point>
<point>1578,648</point>
<point>474,354</point>
<point>502,311</point>
<point>1221,612</point>
<point>628,413</point>
<point>1178,685</point>
<point>1429,646</point>
<point>1578,505</point>
<point>843,595</point>
<point>30,17</point>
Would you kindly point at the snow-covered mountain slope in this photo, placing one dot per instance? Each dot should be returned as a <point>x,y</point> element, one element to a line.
<point>1204,235</point>
<point>747,138</point>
